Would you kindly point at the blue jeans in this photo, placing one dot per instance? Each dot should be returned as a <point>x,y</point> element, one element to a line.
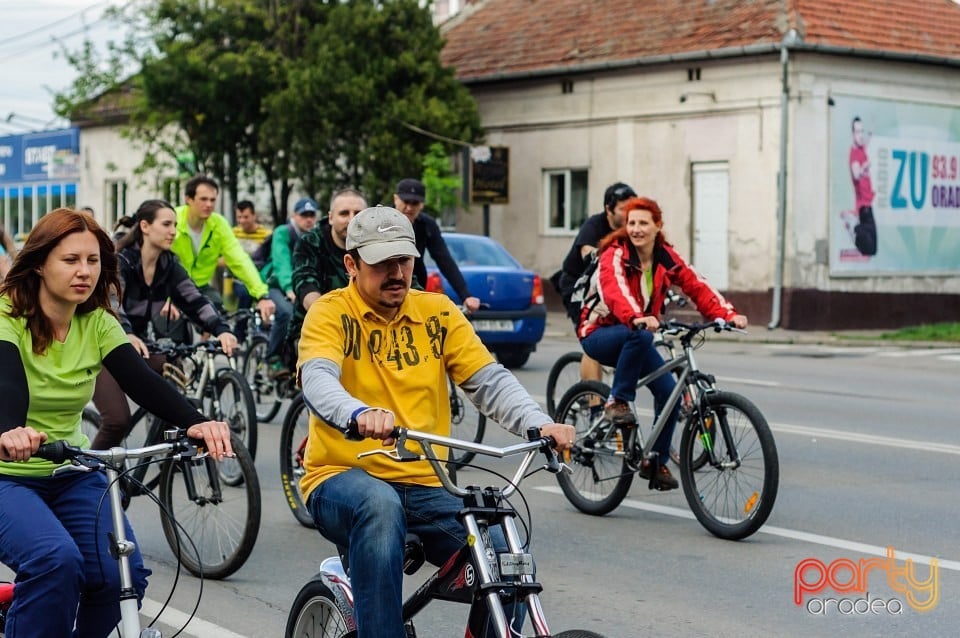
<point>371,518</point>
<point>281,320</point>
<point>51,537</point>
<point>633,355</point>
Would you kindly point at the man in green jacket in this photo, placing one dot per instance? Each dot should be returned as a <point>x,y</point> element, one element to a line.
<point>203,237</point>
<point>278,273</point>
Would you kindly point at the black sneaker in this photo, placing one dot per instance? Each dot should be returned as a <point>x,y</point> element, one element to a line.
<point>619,413</point>
<point>660,479</point>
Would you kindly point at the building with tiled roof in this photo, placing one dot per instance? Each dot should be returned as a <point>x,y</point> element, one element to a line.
<point>702,104</point>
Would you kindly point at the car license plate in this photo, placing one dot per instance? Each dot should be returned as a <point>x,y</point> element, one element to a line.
<point>516,564</point>
<point>493,325</point>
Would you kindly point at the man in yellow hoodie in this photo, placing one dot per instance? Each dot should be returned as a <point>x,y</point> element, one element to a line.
<point>203,237</point>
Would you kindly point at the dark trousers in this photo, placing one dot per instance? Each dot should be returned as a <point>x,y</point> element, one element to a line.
<point>865,232</point>
<point>51,536</point>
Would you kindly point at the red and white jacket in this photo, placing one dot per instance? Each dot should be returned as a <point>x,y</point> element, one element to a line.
<point>622,291</point>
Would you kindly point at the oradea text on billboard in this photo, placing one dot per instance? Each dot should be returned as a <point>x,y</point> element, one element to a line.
<point>894,187</point>
<point>40,157</point>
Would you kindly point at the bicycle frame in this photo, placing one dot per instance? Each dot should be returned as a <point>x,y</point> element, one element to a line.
<point>689,378</point>
<point>121,548</point>
<point>477,573</point>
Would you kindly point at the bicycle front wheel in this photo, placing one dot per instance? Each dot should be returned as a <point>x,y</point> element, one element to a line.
<point>315,613</point>
<point>233,403</point>
<point>293,443</point>
<point>563,374</point>
<point>256,372</point>
<point>600,476</point>
<point>199,509</point>
<point>733,493</point>
<point>466,423</point>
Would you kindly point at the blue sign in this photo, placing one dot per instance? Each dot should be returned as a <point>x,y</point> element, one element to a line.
<point>40,157</point>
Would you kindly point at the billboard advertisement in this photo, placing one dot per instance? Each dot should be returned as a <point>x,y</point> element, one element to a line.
<point>894,183</point>
<point>40,157</point>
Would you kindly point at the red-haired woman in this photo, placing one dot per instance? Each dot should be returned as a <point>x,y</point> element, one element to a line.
<point>56,331</point>
<point>637,268</point>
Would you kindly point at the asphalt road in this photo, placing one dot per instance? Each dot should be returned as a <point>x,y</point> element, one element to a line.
<point>866,438</point>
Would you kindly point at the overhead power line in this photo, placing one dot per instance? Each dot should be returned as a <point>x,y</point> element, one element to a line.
<point>50,25</point>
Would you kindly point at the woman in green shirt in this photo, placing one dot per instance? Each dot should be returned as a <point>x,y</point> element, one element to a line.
<point>56,332</point>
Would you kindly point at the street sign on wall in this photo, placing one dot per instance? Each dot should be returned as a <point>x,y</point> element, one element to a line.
<point>490,175</point>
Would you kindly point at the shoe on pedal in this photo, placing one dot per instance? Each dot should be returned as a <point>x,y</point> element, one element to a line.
<point>660,477</point>
<point>619,413</point>
<point>276,369</point>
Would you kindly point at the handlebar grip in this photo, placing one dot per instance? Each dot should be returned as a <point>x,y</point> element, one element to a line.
<point>57,452</point>
<point>352,433</point>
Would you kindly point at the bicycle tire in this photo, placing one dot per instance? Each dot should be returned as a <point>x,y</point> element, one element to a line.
<point>293,434</point>
<point>564,372</point>
<point>236,409</point>
<point>315,614</point>
<point>578,633</point>
<point>466,423</point>
<point>223,529</point>
<point>731,503</point>
<point>255,371</point>
<point>600,476</point>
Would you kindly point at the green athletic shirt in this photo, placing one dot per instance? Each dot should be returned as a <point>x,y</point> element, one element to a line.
<point>61,380</point>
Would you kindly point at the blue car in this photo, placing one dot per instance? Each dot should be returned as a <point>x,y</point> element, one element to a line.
<point>513,316</point>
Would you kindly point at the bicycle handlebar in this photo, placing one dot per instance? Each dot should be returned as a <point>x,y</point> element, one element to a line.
<point>169,347</point>
<point>177,443</point>
<point>535,444</point>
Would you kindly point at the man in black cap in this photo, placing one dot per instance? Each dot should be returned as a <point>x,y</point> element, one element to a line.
<point>408,199</point>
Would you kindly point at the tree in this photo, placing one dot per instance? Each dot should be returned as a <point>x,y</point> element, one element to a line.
<point>325,93</point>
<point>443,186</point>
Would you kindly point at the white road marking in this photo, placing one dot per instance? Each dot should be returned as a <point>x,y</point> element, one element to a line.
<point>921,352</point>
<point>872,439</point>
<point>806,537</point>
<point>175,618</point>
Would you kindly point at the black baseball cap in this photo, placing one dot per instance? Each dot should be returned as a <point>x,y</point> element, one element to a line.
<point>616,193</point>
<point>411,190</point>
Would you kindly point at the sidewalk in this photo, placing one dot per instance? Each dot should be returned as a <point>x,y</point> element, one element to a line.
<point>560,327</point>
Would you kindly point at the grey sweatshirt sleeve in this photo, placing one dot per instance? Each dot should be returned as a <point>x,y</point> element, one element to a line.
<point>499,395</point>
<point>325,396</point>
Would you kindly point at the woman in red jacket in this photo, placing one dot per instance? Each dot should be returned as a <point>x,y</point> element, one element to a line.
<point>637,268</point>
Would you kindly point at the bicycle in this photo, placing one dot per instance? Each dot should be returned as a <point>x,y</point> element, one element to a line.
<point>477,574</point>
<point>729,468</point>
<point>218,503</point>
<point>268,394</point>
<point>565,372</point>
<point>220,393</point>
<point>175,449</point>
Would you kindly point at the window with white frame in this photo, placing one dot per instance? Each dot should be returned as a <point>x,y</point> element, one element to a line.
<point>116,204</point>
<point>565,199</point>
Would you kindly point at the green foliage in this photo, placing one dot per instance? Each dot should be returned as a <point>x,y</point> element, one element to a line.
<point>443,186</point>
<point>323,93</point>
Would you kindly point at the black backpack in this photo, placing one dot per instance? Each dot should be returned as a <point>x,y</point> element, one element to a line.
<point>585,290</point>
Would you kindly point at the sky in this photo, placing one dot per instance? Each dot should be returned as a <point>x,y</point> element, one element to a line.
<point>31,65</point>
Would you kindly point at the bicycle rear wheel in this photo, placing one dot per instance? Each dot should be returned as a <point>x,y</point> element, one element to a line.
<point>293,443</point>
<point>223,521</point>
<point>600,476</point>
<point>466,422</point>
<point>233,404</point>
<point>255,371</point>
<point>733,497</point>
<point>315,613</point>
<point>563,374</point>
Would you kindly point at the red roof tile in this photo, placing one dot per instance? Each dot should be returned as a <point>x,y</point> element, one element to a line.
<point>497,38</point>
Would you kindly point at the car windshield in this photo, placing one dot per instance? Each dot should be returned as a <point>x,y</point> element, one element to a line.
<point>475,252</point>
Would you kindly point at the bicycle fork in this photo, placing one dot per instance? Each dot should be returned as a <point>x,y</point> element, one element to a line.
<point>120,549</point>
